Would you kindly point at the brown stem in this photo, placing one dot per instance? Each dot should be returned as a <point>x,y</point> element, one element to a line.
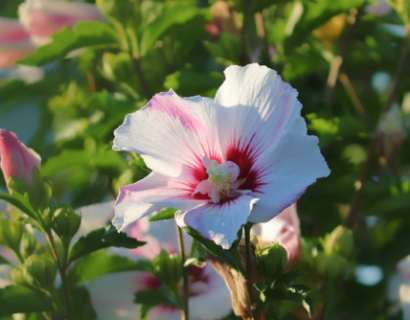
<point>351,217</point>
<point>62,270</point>
<point>338,61</point>
<point>400,69</point>
<point>91,82</point>
<point>245,56</point>
<point>185,275</point>
<point>344,79</point>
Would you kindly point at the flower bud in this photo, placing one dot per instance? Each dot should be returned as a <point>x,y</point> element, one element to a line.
<point>39,271</point>
<point>28,244</point>
<point>340,241</point>
<point>11,232</point>
<point>330,266</point>
<point>66,222</point>
<point>18,277</point>
<point>272,261</point>
<point>17,161</point>
<point>168,268</point>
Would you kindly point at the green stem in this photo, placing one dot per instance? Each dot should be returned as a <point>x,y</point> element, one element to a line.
<point>248,271</point>
<point>62,269</point>
<point>185,312</point>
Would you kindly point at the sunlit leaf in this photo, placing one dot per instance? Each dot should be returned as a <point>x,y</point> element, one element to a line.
<point>100,263</point>
<point>84,34</point>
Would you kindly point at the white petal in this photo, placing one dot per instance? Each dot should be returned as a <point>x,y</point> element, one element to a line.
<point>405,299</point>
<point>172,135</point>
<point>149,195</point>
<point>219,222</point>
<point>158,235</point>
<point>254,106</point>
<point>284,173</point>
<point>112,295</point>
<point>214,302</point>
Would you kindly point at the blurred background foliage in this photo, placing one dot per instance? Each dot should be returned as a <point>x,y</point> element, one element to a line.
<point>344,60</point>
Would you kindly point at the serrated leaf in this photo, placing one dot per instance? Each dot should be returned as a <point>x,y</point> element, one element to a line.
<point>11,299</point>
<point>299,288</point>
<point>166,214</point>
<point>100,263</point>
<point>308,305</point>
<point>151,298</point>
<point>102,238</point>
<point>283,292</point>
<point>213,248</point>
<point>84,34</point>
<point>20,202</point>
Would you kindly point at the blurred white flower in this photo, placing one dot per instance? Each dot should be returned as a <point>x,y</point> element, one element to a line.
<point>112,295</point>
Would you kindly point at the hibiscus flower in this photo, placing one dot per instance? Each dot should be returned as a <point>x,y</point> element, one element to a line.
<point>242,157</point>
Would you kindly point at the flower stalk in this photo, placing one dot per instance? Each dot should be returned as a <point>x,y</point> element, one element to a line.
<point>62,269</point>
<point>248,270</point>
<point>185,279</point>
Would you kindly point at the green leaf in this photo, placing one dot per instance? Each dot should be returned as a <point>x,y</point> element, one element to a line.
<point>187,82</point>
<point>81,304</point>
<point>84,34</point>
<point>288,277</point>
<point>102,238</point>
<point>213,248</point>
<point>166,214</point>
<point>151,298</point>
<point>227,51</point>
<point>197,256</point>
<point>310,15</point>
<point>172,15</point>
<point>282,292</point>
<point>19,299</point>
<point>20,202</point>
<point>100,263</point>
<point>259,5</point>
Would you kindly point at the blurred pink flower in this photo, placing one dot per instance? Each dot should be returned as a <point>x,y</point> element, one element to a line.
<point>380,8</point>
<point>15,42</point>
<point>43,18</point>
<point>113,294</point>
<point>285,229</point>
<point>244,156</point>
<point>17,161</point>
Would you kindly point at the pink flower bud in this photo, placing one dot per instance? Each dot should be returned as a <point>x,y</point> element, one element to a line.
<point>15,42</point>
<point>17,161</point>
<point>285,229</point>
<point>42,18</point>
